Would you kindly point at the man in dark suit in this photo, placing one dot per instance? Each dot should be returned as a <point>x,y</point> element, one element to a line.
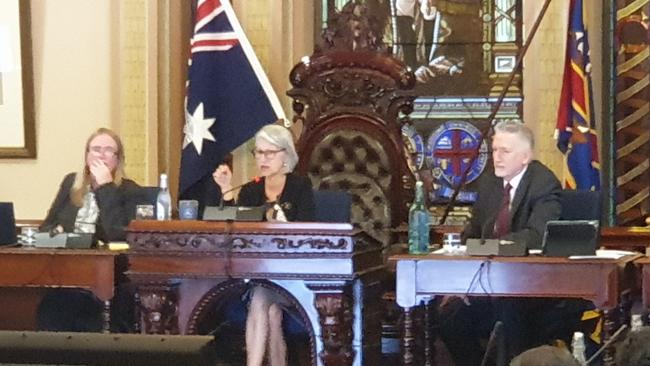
<point>515,201</point>
<point>533,194</point>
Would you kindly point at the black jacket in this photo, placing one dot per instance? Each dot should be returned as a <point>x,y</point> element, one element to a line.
<point>296,200</point>
<point>116,209</point>
<point>536,201</point>
<point>205,191</point>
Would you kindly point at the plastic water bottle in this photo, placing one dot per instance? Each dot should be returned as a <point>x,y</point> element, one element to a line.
<point>164,200</point>
<point>578,346</point>
<point>418,223</point>
<point>636,323</point>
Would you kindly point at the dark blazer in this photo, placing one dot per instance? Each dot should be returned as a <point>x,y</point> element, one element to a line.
<point>536,201</point>
<point>206,191</point>
<point>116,209</point>
<point>296,200</point>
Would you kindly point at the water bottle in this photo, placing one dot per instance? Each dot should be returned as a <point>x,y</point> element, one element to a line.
<point>164,200</point>
<point>578,346</point>
<point>418,223</point>
<point>636,323</point>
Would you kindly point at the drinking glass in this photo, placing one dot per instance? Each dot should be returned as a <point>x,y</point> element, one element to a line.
<point>144,212</point>
<point>188,209</point>
<point>28,236</point>
<point>451,243</point>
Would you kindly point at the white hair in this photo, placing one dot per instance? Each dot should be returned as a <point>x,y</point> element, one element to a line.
<point>281,137</point>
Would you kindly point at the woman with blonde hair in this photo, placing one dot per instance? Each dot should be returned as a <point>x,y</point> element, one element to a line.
<point>101,201</point>
<point>96,199</point>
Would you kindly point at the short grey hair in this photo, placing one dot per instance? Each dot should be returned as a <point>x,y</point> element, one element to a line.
<point>516,127</point>
<point>281,137</point>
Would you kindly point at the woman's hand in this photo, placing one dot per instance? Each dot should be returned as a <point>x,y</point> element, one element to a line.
<point>223,177</point>
<point>100,173</point>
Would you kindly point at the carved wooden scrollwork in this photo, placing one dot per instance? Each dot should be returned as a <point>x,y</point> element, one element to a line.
<point>335,317</point>
<point>241,242</point>
<point>353,29</point>
<point>158,308</point>
<point>314,243</point>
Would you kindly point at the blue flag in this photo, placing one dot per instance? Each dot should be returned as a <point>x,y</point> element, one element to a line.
<point>228,97</point>
<point>576,130</point>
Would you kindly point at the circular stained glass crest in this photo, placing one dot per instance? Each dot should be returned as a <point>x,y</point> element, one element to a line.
<point>414,147</point>
<point>449,152</point>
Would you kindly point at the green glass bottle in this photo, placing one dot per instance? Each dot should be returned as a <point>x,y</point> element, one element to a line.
<point>419,223</point>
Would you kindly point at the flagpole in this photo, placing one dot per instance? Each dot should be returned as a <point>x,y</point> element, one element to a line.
<point>495,109</point>
<point>608,125</point>
<point>255,63</point>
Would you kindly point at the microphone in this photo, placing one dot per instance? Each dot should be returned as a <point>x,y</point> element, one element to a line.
<point>494,336</point>
<point>255,179</point>
<point>487,225</point>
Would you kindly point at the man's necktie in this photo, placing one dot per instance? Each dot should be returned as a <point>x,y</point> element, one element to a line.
<point>502,224</point>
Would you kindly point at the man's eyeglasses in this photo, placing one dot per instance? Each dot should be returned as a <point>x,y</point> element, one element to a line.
<point>267,154</point>
<point>103,150</point>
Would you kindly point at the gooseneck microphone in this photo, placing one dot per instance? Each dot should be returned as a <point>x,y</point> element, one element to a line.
<point>255,179</point>
<point>487,225</point>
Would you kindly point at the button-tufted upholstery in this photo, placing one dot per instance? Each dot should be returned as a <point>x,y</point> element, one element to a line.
<point>352,105</point>
<point>355,162</point>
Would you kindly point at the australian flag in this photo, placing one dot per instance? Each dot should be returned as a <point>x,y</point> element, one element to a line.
<point>228,97</point>
<point>576,134</point>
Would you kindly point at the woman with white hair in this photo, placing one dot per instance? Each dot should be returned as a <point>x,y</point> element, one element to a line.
<point>286,193</point>
<point>289,197</point>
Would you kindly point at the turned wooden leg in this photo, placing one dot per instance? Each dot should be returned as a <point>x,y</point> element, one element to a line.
<point>106,317</point>
<point>408,337</point>
<point>429,335</point>
<point>609,327</point>
<point>137,316</point>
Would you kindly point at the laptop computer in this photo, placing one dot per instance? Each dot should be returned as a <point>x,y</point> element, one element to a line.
<point>564,238</point>
<point>7,224</point>
<point>234,213</point>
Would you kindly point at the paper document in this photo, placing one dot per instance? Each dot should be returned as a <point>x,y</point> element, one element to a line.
<point>604,254</point>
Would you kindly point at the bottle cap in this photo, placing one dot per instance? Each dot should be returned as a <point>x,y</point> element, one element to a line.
<point>578,336</point>
<point>163,180</point>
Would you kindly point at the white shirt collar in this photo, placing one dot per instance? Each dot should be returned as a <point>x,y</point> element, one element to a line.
<point>514,182</point>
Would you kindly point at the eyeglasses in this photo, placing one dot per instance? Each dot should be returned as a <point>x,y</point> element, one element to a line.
<point>103,150</point>
<point>267,154</point>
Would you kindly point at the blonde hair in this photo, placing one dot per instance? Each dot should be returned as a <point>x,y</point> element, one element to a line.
<point>82,180</point>
<point>281,137</point>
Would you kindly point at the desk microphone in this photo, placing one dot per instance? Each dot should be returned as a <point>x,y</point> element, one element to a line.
<point>255,179</point>
<point>487,225</point>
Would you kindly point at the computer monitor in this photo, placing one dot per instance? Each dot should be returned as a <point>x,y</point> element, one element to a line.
<point>234,213</point>
<point>564,238</point>
<point>7,224</point>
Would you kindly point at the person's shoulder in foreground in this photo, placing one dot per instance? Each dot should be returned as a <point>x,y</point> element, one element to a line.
<point>634,350</point>
<point>545,356</point>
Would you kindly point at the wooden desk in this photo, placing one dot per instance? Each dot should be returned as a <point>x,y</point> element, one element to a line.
<point>87,269</point>
<point>624,237</point>
<point>330,273</point>
<point>644,263</point>
<point>420,278</point>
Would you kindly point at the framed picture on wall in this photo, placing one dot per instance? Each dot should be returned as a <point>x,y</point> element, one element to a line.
<point>17,127</point>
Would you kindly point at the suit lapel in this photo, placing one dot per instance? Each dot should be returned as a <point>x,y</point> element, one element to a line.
<point>520,192</point>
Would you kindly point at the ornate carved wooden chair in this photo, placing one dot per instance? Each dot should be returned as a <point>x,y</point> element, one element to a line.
<point>348,96</point>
